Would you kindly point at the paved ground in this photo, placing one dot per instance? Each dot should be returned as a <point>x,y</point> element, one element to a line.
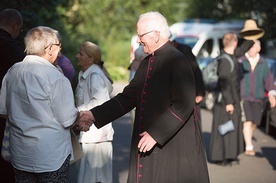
<point>258,169</point>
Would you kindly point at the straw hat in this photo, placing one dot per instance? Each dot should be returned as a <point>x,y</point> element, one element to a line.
<point>251,31</point>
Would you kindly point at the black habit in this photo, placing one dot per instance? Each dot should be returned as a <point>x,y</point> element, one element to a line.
<point>163,92</point>
<point>229,146</point>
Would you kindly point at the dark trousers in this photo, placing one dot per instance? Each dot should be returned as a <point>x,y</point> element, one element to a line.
<point>58,176</point>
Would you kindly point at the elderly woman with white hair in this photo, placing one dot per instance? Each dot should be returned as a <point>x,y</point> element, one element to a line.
<point>94,88</point>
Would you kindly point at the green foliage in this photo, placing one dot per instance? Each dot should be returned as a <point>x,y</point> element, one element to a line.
<point>117,59</point>
<point>200,9</point>
<point>111,23</point>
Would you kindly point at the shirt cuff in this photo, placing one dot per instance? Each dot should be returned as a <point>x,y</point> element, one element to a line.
<point>272,93</point>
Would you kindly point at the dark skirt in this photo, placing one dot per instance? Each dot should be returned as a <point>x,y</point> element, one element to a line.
<point>231,144</point>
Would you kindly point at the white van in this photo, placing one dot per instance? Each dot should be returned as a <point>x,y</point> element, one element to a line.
<point>205,39</point>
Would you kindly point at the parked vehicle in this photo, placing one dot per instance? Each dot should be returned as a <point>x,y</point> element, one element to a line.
<point>205,38</point>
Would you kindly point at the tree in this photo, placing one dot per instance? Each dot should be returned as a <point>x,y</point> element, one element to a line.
<point>111,23</point>
<point>264,12</point>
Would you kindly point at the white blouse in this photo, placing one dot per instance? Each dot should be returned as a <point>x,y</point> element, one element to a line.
<point>92,90</point>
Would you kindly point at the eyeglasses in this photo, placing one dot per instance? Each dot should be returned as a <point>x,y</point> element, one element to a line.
<point>141,35</point>
<point>57,44</point>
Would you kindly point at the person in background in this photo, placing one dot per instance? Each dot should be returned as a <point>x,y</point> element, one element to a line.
<point>38,102</point>
<point>224,150</point>
<point>65,65</point>
<point>257,79</point>
<point>67,68</point>
<point>94,88</point>
<point>166,131</point>
<point>200,89</point>
<point>10,52</point>
<point>55,63</point>
<point>139,55</point>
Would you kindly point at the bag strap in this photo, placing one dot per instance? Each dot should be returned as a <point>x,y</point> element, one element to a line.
<point>224,55</point>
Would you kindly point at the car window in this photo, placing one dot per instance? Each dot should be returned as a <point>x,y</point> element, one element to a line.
<point>206,49</point>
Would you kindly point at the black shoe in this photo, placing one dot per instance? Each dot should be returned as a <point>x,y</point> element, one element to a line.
<point>224,163</point>
<point>218,162</point>
<point>234,161</point>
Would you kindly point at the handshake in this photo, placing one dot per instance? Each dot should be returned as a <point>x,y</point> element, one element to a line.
<point>84,120</point>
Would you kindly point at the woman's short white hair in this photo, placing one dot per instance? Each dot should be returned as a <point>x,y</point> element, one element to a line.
<point>156,21</point>
<point>38,39</point>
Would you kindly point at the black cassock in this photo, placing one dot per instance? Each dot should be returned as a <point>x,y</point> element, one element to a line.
<point>163,92</point>
<point>230,145</point>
